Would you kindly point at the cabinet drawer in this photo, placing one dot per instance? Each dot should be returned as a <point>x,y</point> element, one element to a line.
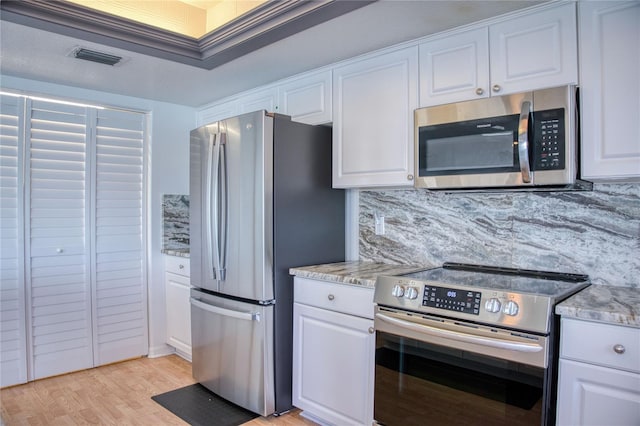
<point>596,343</point>
<point>177,265</point>
<point>348,299</point>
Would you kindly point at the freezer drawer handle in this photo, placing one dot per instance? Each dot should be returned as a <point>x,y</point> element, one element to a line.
<point>249,316</point>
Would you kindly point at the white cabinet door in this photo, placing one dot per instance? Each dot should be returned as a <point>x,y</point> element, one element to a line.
<point>333,365</point>
<point>374,100</point>
<point>610,89</point>
<point>178,313</point>
<point>216,112</point>
<point>534,51</point>
<point>307,98</point>
<point>594,395</point>
<point>258,99</point>
<point>455,68</point>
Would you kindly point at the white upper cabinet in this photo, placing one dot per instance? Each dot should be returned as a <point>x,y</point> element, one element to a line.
<point>455,68</point>
<point>534,51</point>
<point>373,103</point>
<point>525,52</point>
<point>610,89</point>
<point>216,112</point>
<point>307,99</point>
<point>256,100</point>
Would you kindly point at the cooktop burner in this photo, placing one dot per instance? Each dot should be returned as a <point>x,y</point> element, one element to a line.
<point>514,298</point>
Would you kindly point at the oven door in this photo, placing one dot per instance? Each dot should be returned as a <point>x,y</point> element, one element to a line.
<point>435,371</point>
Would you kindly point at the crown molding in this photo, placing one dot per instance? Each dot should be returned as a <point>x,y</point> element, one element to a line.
<point>268,23</point>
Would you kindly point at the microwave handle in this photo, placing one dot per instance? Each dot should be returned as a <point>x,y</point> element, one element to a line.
<point>523,141</point>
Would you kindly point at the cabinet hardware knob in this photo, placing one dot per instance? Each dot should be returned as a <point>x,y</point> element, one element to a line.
<point>59,250</point>
<point>181,266</point>
<point>496,88</point>
<point>331,297</point>
<point>409,177</point>
<point>619,349</point>
<point>371,330</point>
<point>479,91</point>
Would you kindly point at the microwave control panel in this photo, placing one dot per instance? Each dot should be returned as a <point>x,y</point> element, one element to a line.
<point>549,140</point>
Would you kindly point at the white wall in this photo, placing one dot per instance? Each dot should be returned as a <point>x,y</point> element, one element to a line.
<point>169,174</point>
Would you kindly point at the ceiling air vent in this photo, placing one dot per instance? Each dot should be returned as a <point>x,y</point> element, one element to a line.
<point>94,56</point>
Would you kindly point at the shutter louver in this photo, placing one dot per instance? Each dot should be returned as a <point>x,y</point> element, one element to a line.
<point>59,271</point>
<point>13,341</point>
<point>120,280</point>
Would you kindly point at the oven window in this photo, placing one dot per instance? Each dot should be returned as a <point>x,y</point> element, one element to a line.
<point>418,383</point>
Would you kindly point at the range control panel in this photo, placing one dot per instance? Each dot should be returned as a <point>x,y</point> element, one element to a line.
<point>452,299</point>
<point>493,307</point>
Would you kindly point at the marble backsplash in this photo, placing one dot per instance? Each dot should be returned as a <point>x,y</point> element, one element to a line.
<point>175,222</point>
<point>595,232</point>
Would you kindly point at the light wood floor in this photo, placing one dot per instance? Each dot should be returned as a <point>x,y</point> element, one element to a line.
<point>116,394</point>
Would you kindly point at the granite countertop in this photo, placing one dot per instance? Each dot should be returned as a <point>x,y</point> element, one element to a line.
<point>177,252</point>
<point>354,272</point>
<point>614,305</point>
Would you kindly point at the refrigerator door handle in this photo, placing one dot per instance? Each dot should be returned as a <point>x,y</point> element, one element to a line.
<point>211,206</point>
<point>223,199</point>
<point>249,316</point>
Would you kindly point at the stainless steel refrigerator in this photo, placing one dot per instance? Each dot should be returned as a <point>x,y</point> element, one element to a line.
<point>261,202</point>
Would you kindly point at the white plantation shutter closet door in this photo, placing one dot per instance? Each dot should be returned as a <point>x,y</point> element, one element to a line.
<point>58,243</point>
<point>120,291</point>
<point>13,341</point>
<point>73,241</point>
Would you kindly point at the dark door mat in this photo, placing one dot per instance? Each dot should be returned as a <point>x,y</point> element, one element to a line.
<point>198,406</point>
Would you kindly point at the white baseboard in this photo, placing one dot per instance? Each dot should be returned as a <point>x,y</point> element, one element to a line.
<point>160,350</point>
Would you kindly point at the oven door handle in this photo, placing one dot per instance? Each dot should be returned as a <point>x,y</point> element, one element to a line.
<point>461,337</point>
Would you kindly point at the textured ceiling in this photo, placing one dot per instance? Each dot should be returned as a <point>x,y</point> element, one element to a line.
<point>38,54</point>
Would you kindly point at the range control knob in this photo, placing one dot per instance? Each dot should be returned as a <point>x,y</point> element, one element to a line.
<point>511,308</point>
<point>492,305</point>
<point>411,293</point>
<point>398,291</point>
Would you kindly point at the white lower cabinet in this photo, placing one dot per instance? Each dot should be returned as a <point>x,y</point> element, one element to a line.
<point>177,288</point>
<point>333,352</point>
<point>599,375</point>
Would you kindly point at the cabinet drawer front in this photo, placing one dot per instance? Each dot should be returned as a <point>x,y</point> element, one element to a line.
<point>348,299</point>
<point>177,265</point>
<point>597,343</point>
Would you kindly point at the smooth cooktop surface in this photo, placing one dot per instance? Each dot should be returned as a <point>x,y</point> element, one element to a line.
<point>552,288</point>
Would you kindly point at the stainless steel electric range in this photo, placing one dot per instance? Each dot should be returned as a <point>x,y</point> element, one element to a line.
<point>468,344</point>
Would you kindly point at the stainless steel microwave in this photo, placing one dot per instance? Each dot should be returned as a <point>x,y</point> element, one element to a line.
<point>519,140</point>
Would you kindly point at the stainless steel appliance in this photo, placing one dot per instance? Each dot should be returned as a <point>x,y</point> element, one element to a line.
<point>260,202</point>
<point>468,345</point>
<point>519,140</point>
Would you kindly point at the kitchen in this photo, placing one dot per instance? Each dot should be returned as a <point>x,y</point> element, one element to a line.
<point>551,231</point>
